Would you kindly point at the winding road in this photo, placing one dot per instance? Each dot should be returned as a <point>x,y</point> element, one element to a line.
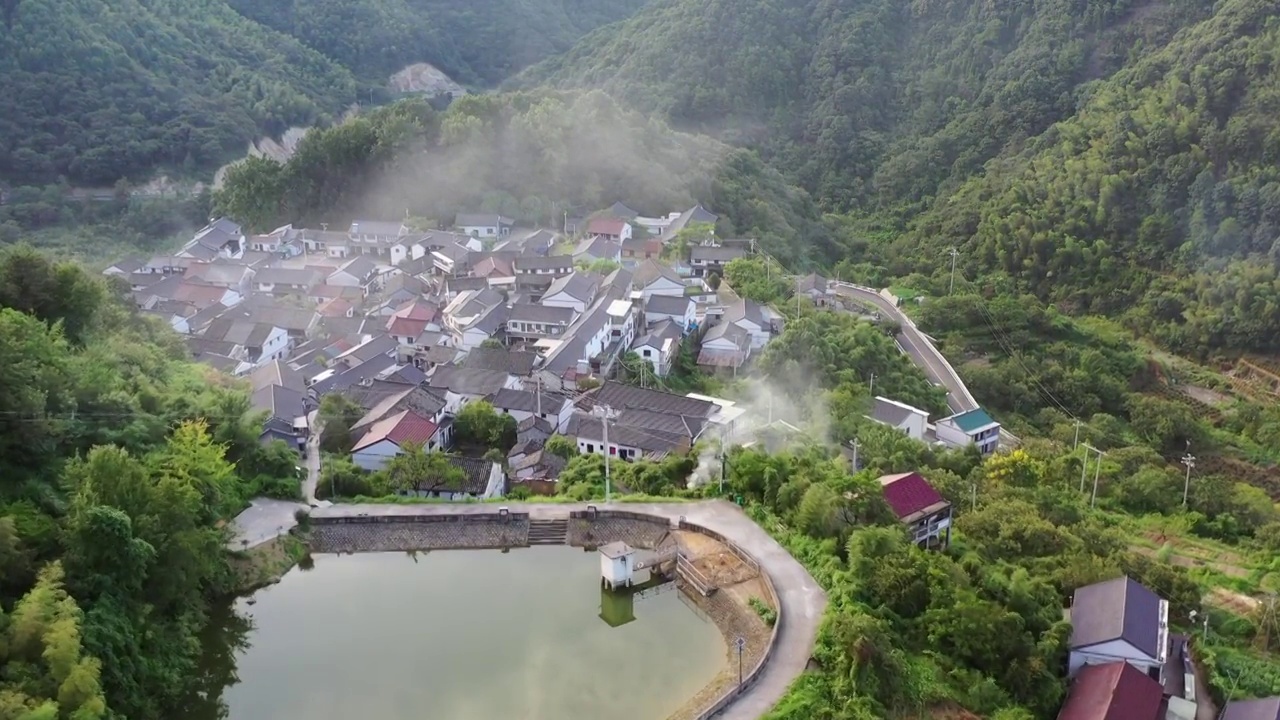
<point>920,350</point>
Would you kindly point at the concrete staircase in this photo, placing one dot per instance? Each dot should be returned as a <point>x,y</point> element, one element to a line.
<point>548,532</point>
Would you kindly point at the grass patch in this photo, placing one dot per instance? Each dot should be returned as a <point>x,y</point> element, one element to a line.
<point>766,613</point>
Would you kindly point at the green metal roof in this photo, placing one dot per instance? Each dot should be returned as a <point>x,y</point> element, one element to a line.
<point>972,420</point>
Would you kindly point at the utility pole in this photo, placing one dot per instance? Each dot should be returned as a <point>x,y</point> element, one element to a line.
<point>973,497</point>
<point>855,454</point>
<point>1190,461</point>
<point>1076,444</point>
<point>605,413</point>
<point>873,384</point>
<point>724,458</point>
<point>1084,469</point>
<point>951,288</point>
<point>1097,470</point>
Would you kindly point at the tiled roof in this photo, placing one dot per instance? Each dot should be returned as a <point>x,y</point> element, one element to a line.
<point>668,304</point>
<point>626,397</point>
<point>467,381</point>
<point>405,327</point>
<point>1260,709</point>
<point>1114,691</point>
<point>606,226</point>
<point>550,262</point>
<point>528,401</point>
<point>577,285</point>
<point>481,220</point>
<point>549,314</point>
<point>276,373</point>
<point>1118,609</point>
<point>650,270</point>
<point>716,254</point>
<point>514,362</point>
<point>972,420</point>
<point>402,428</point>
<point>909,493</point>
<point>892,412</point>
<point>378,227</point>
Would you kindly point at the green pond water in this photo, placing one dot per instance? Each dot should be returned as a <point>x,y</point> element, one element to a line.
<point>457,635</point>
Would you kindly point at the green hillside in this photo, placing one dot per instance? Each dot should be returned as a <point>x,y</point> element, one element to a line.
<point>474,44</point>
<point>1115,157</point>
<point>98,90</point>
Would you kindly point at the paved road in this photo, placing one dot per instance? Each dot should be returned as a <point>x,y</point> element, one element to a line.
<point>313,460</point>
<point>264,520</point>
<point>803,602</point>
<point>919,349</point>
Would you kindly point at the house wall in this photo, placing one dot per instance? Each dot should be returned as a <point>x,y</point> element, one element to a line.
<point>662,286</point>
<point>375,456</point>
<point>914,425</point>
<point>479,230</point>
<point>759,336</point>
<point>276,347</point>
<point>626,452</point>
<point>564,300</point>
<point>661,363</point>
<point>684,320</point>
<point>987,441</point>
<point>1116,650</point>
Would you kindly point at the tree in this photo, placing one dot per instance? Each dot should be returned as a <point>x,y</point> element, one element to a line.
<point>479,424</point>
<point>48,673</point>
<point>336,416</point>
<point>416,471</point>
<point>562,446</point>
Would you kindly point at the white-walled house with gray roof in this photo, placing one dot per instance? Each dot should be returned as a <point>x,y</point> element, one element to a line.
<point>1119,620</point>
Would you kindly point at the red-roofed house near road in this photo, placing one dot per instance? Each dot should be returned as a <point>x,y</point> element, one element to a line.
<point>386,438</point>
<point>1114,691</point>
<point>610,227</point>
<point>920,507</point>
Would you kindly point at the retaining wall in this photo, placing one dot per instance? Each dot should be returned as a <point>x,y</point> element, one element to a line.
<point>593,528</point>
<point>419,532</point>
<point>754,674</point>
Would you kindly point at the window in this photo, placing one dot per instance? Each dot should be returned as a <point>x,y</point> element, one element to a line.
<point>591,448</point>
<point>646,352</point>
<point>613,450</point>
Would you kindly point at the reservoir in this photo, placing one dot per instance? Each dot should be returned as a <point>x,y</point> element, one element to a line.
<point>456,635</point>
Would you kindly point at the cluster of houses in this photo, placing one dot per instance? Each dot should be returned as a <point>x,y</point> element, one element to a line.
<point>412,325</point>
<point>1125,663</point>
<point>971,427</point>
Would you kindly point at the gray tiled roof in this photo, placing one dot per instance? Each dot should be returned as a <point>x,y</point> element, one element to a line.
<point>668,304</point>
<point>467,381</point>
<point>889,413</point>
<point>578,285</point>
<point>514,362</point>
<point>527,400</point>
<point>550,314</point>
<point>525,263</point>
<point>481,220</point>
<point>626,397</point>
<point>720,255</point>
<point>1119,609</point>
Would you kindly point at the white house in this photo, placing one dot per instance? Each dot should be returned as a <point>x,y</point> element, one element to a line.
<point>484,225</point>
<point>725,346</point>
<point>1119,620</point>
<point>576,291</point>
<point>461,385</point>
<point>358,272</point>
<point>679,309</point>
<point>659,346</point>
<point>900,416</point>
<point>554,407</point>
<point>973,427</point>
<point>615,229</point>
<point>262,342</point>
<point>654,278</point>
<point>386,439</point>
<point>753,318</point>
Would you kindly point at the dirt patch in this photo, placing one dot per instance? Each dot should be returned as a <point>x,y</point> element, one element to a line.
<point>729,608</point>
<point>1194,562</point>
<point>1209,397</point>
<point>1232,601</point>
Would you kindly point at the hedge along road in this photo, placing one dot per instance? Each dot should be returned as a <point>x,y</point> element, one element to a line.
<point>802,600</point>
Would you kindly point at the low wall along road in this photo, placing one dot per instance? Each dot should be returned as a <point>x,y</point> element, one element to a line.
<point>772,657</point>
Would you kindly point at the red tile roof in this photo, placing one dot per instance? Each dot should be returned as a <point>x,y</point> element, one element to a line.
<point>406,327</point>
<point>404,427</point>
<point>606,226</point>
<point>908,493</point>
<point>415,310</point>
<point>1114,691</point>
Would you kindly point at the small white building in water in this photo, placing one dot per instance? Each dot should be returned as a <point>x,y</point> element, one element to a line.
<point>617,564</point>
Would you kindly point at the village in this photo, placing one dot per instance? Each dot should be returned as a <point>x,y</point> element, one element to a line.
<point>412,326</point>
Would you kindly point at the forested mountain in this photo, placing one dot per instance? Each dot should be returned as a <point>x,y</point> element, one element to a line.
<point>475,43</point>
<point>98,90</point>
<point>1112,156</point>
